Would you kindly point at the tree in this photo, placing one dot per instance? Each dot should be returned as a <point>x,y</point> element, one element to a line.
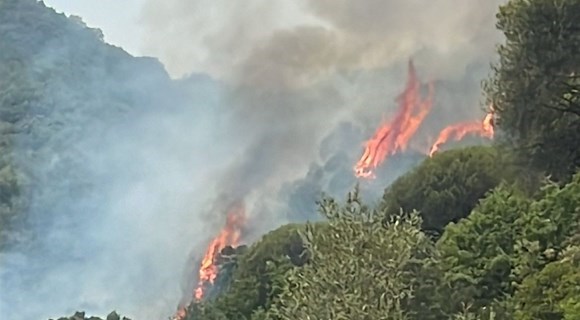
<point>553,293</point>
<point>535,87</point>
<point>478,252</point>
<point>507,239</point>
<point>361,266</point>
<point>448,186</point>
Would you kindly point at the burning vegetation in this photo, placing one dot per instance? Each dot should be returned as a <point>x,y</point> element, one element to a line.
<point>229,236</point>
<point>394,136</point>
<point>391,138</point>
<point>459,130</point>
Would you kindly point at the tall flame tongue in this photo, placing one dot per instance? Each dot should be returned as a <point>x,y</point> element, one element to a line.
<point>394,136</point>
<point>228,236</point>
<point>459,130</point>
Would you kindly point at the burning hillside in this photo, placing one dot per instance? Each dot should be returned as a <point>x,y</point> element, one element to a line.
<point>395,136</point>
<point>398,139</point>
<point>229,236</point>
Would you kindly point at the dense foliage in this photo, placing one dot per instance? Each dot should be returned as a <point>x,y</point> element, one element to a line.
<point>81,316</point>
<point>536,84</point>
<point>447,187</point>
<point>361,265</point>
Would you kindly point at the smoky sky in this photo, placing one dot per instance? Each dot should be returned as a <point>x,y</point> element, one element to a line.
<point>297,68</point>
<point>296,42</point>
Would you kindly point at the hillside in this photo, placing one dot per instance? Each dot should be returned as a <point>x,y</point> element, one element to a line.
<point>59,82</point>
<point>80,120</point>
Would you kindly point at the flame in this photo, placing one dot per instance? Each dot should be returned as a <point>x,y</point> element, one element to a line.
<point>457,131</point>
<point>229,236</point>
<point>394,136</point>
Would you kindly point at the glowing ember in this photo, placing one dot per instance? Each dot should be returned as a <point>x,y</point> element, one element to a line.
<point>228,236</point>
<point>394,136</point>
<point>460,130</point>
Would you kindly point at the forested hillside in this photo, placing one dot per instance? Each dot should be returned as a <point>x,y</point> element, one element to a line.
<point>59,81</point>
<point>476,233</point>
<point>79,120</point>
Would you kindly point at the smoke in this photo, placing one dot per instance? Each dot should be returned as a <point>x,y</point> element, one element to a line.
<point>281,98</point>
<point>297,41</point>
<point>122,241</point>
<point>299,69</point>
<point>114,160</point>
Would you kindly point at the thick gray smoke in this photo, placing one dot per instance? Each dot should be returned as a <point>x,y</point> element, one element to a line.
<point>302,67</point>
<point>300,85</point>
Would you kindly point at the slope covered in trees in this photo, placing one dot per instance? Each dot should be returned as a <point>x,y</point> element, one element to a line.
<point>59,85</point>
<point>79,120</point>
<point>507,245</point>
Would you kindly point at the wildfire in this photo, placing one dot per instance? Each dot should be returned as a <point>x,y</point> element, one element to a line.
<point>458,131</point>
<point>394,136</point>
<point>228,236</point>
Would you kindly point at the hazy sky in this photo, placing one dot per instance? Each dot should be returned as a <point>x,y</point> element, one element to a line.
<point>117,19</point>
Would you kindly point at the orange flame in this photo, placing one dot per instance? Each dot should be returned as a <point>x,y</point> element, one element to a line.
<point>229,236</point>
<point>394,136</point>
<point>459,130</point>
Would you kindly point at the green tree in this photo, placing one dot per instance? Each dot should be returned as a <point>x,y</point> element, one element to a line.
<point>361,266</point>
<point>535,87</point>
<point>478,252</point>
<point>553,293</point>
<point>507,239</point>
<point>447,187</point>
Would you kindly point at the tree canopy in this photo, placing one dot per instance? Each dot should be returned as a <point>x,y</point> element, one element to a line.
<point>448,186</point>
<point>535,85</point>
